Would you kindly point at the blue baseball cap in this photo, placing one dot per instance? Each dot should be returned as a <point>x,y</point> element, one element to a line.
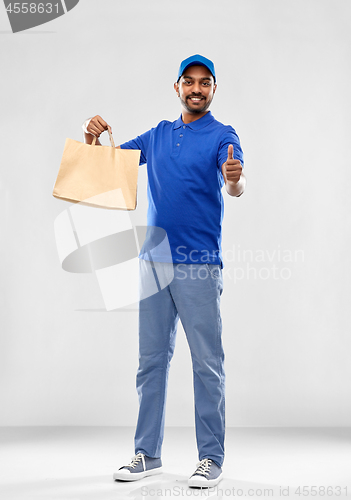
<point>196,60</point>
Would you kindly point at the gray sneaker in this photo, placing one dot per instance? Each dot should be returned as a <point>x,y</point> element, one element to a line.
<point>207,475</point>
<point>140,466</point>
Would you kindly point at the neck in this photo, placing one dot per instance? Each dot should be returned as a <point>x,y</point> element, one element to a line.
<point>191,117</point>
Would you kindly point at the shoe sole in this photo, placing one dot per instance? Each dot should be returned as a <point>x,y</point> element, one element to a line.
<point>196,482</point>
<point>135,476</point>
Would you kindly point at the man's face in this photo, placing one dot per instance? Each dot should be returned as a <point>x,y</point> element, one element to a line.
<point>195,89</point>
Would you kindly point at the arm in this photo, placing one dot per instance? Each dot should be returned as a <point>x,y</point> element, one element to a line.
<point>97,125</point>
<point>232,171</point>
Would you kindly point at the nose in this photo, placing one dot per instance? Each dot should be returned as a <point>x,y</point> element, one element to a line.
<point>196,88</point>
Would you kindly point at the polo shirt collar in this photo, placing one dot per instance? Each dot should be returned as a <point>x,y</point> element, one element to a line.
<point>197,124</point>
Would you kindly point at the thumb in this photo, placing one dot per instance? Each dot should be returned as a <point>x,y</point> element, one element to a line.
<point>230,152</point>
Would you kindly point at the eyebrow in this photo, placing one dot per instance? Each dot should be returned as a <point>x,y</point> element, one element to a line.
<point>192,78</point>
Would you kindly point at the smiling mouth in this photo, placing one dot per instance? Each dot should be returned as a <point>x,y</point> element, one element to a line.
<point>195,99</point>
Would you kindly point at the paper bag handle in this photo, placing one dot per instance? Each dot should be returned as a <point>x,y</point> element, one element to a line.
<point>111,139</point>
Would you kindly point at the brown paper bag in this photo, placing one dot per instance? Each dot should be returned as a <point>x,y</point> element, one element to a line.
<point>100,176</point>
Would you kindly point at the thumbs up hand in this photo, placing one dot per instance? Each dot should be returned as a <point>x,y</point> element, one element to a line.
<point>232,168</point>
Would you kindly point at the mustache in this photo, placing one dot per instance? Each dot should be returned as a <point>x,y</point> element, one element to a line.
<point>195,95</point>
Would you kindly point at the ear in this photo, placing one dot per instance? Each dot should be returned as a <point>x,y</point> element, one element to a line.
<point>176,88</point>
<point>214,87</point>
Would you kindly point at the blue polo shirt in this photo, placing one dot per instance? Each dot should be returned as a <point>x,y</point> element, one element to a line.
<point>184,185</point>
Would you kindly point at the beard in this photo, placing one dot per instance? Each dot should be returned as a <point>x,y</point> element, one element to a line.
<point>196,110</point>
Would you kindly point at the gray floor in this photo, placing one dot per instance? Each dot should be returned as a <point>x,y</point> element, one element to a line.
<point>77,463</point>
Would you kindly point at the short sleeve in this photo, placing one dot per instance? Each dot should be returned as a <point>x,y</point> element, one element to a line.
<point>141,142</point>
<point>229,137</point>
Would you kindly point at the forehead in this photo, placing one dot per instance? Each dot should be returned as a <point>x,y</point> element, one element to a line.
<point>197,71</point>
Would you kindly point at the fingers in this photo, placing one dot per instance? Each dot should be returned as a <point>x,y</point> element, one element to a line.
<point>230,152</point>
<point>233,170</point>
<point>97,125</point>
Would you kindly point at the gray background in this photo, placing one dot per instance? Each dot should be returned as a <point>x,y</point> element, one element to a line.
<point>283,82</point>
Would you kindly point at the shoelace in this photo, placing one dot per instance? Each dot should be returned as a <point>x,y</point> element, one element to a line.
<point>203,467</point>
<point>135,460</point>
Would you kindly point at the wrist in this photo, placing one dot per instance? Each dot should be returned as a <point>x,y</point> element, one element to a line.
<point>237,188</point>
<point>85,124</point>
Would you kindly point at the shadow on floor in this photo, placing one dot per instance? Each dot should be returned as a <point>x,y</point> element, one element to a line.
<point>163,486</point>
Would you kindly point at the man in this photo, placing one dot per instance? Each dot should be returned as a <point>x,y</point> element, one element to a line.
<point>188,163</point>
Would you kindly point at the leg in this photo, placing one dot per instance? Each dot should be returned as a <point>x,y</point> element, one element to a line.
<point>196,290</point>
<point>158,320</point>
